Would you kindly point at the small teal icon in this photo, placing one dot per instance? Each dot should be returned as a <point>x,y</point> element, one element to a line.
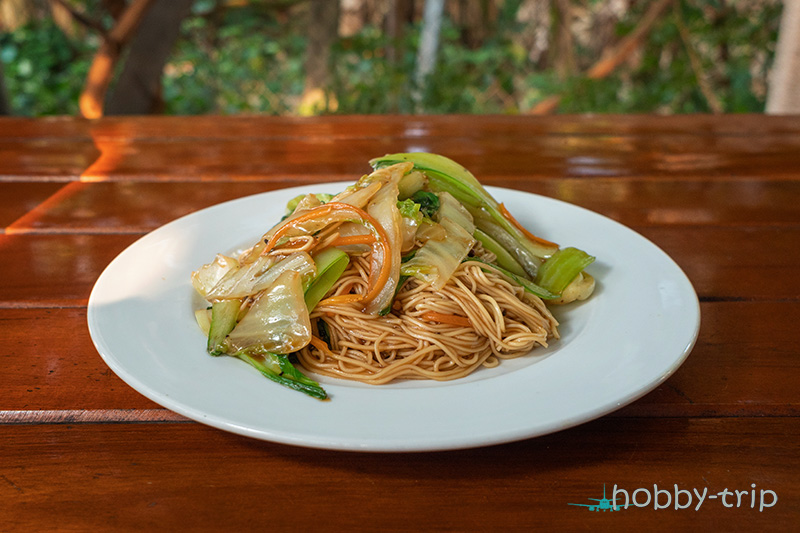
<point>603,504</point>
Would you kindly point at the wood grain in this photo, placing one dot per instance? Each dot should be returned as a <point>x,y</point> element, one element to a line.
<point>227,159</point>
<point>337,127</point>
<point>80,449</point>
<point>138,207</point>
<point>339,147</point>
<point>186,476</point>
<point>48,272</point>
<point>55,270</point>
<point>23,197</point>
<point>50,364</point>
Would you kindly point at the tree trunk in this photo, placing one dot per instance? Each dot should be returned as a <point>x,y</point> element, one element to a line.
<point>105,60</point>
<point>5,108</point>
<point>428,47</point>
<point>784,88</point>
<point>323,30</point>
<point>613,57</point>
<point>565,64</point>
<point>398,17</point>
<point>15,13</point>
<point>476,19</point>
<point>138,90</point>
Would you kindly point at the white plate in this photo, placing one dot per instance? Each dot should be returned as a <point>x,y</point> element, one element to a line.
<point>628,338</point>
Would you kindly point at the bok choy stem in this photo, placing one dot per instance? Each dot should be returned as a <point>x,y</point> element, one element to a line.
<point>562,267</point>
<point>331,263</point>
<point>444,174</point>
<point>223,320</point>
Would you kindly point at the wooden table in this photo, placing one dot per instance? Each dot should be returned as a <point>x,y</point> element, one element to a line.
<point>81,450</point>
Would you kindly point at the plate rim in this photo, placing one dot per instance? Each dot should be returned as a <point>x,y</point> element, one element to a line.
<point>378,444</point>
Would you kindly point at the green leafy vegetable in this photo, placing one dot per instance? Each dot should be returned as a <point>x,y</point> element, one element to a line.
<point>409,184</point>
<point>410,209</point>
<point>292,204</point>
<point>256,276</point>
<point>437,259</point>
<point>279,369</point>
<point>206,277</point>
<point>223,320</point>
<point>562,267</point>
<point>331,263</point>
<point>504,259</point>
<point>428,202</point>
<point>277,320</point>
<point>444,174</point>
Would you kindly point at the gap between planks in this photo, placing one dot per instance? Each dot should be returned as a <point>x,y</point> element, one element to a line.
<point>88,416</point>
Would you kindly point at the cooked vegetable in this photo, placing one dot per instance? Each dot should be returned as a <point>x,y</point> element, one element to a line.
<point>428,202</point>
<point>296,202</point>
<point>206,277</point>
<point>260,274</point>
<point>437,259</point>
<point>318,218</point>
<point>223,320</point>
<point>395,245</point>
<point>277,320</point>
<point>410,184</point>
<point>504,259</point>
<point>383,209</point>
<point>331,262</point>
<point>446,175</point>
<point>562,267</point>
<point>280,370</point>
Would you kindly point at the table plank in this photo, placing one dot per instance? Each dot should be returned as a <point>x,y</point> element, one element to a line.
<point>339,127</point>
<point>735,263</point>
<point>186,476</point>
<point>167,149</point>
<point>549,156</point>
<point>123,207</point>
<point>20,198</point>
<point>50,365</point>
<point>131,207</point>
<point>47,272</point>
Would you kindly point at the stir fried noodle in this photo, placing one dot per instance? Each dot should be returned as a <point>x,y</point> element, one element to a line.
<point>413,272</point>
<point>500,321</point>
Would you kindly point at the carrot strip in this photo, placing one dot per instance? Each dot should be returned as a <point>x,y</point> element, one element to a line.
<point>442,318</point>
<point>341,299</point>
<point>379,234</point>
<point>386,262</point>
<point>353,239</point>
<point>317,212</point>
<point>507,215</point>
<point>320,345</point>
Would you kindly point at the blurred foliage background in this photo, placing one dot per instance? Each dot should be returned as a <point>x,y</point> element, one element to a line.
<point>501,56</point>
